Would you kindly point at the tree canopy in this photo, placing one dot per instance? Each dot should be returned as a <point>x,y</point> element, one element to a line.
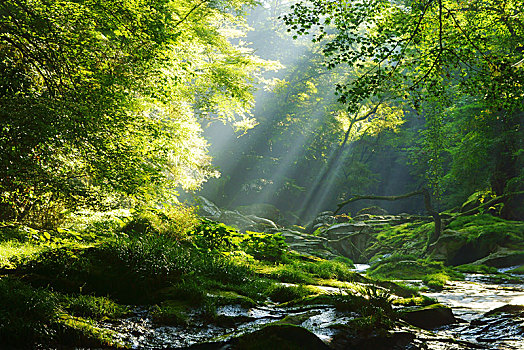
<point>101,97</point>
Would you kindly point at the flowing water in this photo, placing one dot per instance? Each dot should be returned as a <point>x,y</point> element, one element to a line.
<point>470,300</point>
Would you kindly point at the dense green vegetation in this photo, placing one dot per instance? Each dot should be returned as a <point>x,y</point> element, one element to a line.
<point>116,117</point>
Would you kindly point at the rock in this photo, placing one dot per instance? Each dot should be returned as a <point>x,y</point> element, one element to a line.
<point>207,209</point>
<point>507,309</point>
<point>341,230</point>
<point>454,248</point>
<point>277,337</point>
<point>261,210</point>
<point>429,317</point>
<point>238,221</point>
<point>503,257</point>
<point>262,222</point>
<point>373,211</point>
<point>323,219</point>
<point>307,244</point>
<point>399,340</point>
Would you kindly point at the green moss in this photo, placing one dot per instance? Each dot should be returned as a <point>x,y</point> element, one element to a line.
<point>480,269</point>
<point>82,332</point>
<point>171,313</point>
<point>489,229</point>
<point>415,301</point>
<point>436,281</point>
<point>411,269</point>
<point>519,270</point>
<point>281,293</point>
<point>230,297</point>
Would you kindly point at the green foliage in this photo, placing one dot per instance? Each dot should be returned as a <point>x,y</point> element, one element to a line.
<point>27,315</point>
<point>175,222</point>
<point>100,99</point>
<point>94,307</point>
<point>264,246</point>
<point>214,235</point>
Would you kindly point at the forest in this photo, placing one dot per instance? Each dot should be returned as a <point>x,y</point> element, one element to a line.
<point>262,174</point>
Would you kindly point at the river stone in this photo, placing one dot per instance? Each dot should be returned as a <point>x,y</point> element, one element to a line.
<point>429,317</point>
<point>281,336</point>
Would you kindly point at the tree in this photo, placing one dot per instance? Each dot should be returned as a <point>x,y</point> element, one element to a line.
<point>420,50</point>
<point>101,97</point>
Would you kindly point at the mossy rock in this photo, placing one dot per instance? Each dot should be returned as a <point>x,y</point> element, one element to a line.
<point>503,257</point>
<point>263,210</point>
<point>279,337</point>
<point>518,271</point>
<point>170,313</point>
<point>429,317</point>
<point>231,298</point>
<point>507,309</point>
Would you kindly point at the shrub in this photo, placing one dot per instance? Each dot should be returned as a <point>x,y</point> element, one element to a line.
<point>27,316</point>
<point>264,246</point>
<point>94,307</point>
<point>175,222</point>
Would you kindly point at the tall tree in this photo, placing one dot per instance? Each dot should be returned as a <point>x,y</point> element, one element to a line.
<point>101,97</point>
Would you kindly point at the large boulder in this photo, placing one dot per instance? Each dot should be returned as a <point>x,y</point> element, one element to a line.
<point>307,244</point>
<point>502,257</point>
<point>264,210</point>
<point>429,317</point>
<point>238,221</point>
<point>373,211</point>
<point>207,209</point>
<point>323,219</point>
<point>281,336</point>
<point>454,248</point>
<point>263,224</point>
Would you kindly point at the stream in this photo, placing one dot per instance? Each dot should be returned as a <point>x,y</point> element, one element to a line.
<point>470,300</point>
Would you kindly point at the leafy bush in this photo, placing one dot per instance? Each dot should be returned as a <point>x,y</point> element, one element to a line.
<point>94,307</point>
<point>175,222</point>
<point>27,315</point>
<point>212,235</point>
<point>264,246</point>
